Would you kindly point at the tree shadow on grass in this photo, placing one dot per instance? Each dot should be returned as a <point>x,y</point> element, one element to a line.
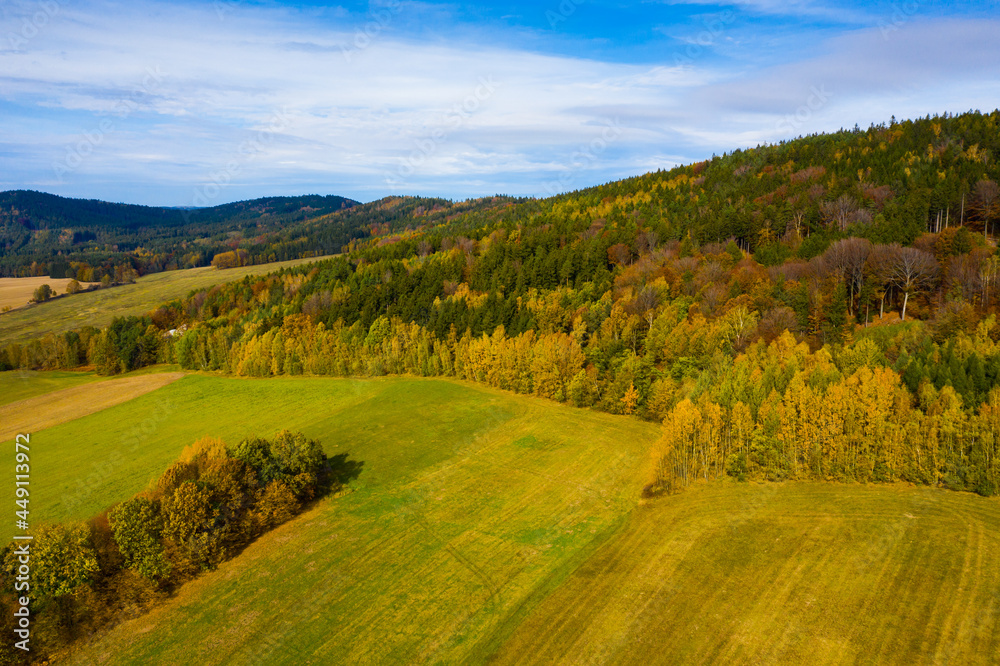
<point>342,470</point>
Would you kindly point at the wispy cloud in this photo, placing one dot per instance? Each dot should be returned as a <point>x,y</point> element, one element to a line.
<point>807,9</point>
<point>352,121</point>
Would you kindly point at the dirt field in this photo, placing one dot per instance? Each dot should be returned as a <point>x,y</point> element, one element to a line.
<point>44,411</point>
<point>17,292</point>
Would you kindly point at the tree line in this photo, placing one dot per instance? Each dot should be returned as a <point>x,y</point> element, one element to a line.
<point>783,412</point>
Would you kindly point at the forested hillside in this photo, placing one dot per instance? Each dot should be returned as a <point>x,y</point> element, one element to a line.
<point>42,234</point>
<point>46,235</point>
<point>824,308</point>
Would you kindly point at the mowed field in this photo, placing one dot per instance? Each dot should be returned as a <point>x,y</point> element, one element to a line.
<point>18,292</point>
<point>487,527</point>
<point>98,308</point>
<point>45,411</point>
<point>469,502</point>
<point>20,384</point>
<point>791,574</point>
<point>16,385</point>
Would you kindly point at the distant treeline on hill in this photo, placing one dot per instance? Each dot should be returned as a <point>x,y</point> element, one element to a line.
<point>759,304</point>
<point>41,234</point>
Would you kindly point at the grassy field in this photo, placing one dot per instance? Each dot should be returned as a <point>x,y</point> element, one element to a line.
<point>97,308</point>
<point>468,501</point>
<point>17,292</point>
<point>487,527</point>
<point>18,385</point>
<point>51,409</point>
<point>802,573</point>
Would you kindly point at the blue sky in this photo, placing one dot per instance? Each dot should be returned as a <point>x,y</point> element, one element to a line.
<point>201,103</point>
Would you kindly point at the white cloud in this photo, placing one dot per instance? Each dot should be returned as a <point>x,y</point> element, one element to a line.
<point>268,99</point>
<point>806,9</point>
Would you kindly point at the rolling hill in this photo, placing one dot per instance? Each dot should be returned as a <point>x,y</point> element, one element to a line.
<point>98,308</point>
<point>469,499</point>
<point>44,234</point>
<point>502,529</point>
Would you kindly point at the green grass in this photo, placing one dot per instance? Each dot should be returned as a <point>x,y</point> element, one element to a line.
<point>802,573</point>
<point>450,528</point>
<point>21,384</point>
<point>98,308</point>
<point>492,527</point>
<point>18,385</point>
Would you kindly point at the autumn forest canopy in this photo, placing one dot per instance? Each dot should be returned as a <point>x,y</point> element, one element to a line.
<point>825,308</point>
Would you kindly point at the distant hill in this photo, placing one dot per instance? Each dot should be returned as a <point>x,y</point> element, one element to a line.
<point>43,234</point>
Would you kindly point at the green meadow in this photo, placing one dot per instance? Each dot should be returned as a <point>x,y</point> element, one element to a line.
<point>98,308</point>
<point>467,502</point>
<point>18,385</point>
<point>791,574</point>
<point>488,527</point>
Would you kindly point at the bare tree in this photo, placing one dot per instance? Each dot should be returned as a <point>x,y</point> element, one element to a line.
<point>879,195</point>
<point>910,270</point>
<point>988,274</point>
<point>645,241</point>
<point>984,201</point>
<point>844,212</point>
<point>793,270</point>
<point>838,213</point>
<point>711,272</point>
<point>645,303</point>
<point>318,303</point>
<point>775,322</point>
<point>877,270</point>
<point>712,298</point>
<point>847,258</point>
<point>966,272</point>
<point>467,245</point>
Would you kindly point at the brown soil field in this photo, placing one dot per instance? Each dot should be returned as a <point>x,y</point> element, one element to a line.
<point>44,411</point>
<point>17,292</point>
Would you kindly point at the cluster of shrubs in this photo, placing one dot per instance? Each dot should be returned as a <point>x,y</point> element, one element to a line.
<point>203,510</point>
